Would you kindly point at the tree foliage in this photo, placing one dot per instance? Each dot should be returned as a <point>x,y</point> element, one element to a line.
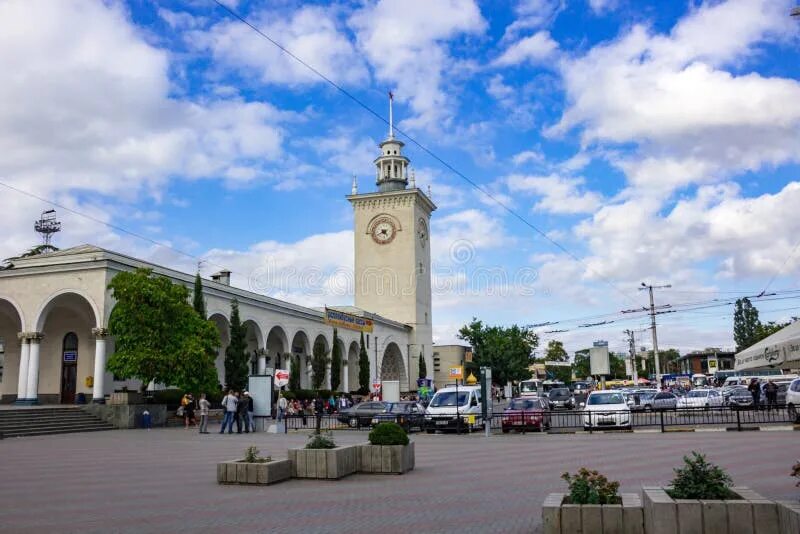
<point>555,352</point>
<point>745,324</point>
<point>507,350</point>
<point>237,361</point>
<point>294,372</point>
<point>423,367</point>
<point>198,302</point>
<point>158,336</point>
<point>336,362</point>
<point>363,368</point>
<point>319,362</point>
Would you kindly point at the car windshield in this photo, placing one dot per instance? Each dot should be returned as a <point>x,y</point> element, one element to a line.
<point>397,407</point>
<point>448,398</point>
<point>697,394</point>
<point>606,398</point>
<point>559,392</point>
<point>522,404</point>
<point>527,387</point>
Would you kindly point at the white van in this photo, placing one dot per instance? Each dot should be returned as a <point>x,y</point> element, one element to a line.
<point>451,404</point>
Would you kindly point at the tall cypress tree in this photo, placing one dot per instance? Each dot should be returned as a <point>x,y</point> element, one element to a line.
<point>294,372</point>
<point>423,368</point>
<point>319,362</point>
<point>198,302</point>
<point>336,362</point>
<point>237,361</point>
<point>746,324</point>
<point>363,368</point>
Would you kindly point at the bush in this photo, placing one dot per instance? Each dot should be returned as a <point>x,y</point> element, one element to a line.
<point>388,434</point>
<point>590,487</point>
<point>321,441</point>
<point>796,473</point>
<point>251,456</point>
<point>698,479</point>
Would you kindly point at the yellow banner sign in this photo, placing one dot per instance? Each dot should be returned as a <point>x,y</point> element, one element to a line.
<point>341,319</point>
<point>456,373</point>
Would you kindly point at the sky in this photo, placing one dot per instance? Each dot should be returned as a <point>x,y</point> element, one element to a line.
<point>612,142</point>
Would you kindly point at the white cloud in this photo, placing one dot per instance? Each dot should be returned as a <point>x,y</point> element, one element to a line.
<point>534,49</point>
<point>559,195</point>
<point>528,156</point>
<point>534,14</point>
<point>602,6</point>
<point>395,34</point>
<point>311,33</point>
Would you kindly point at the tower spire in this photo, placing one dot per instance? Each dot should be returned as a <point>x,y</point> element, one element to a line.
<point>391,125</point>
<point>354,189</point>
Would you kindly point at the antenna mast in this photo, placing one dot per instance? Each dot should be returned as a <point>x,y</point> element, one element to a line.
<point>391,127</point>
<point>47,225</point>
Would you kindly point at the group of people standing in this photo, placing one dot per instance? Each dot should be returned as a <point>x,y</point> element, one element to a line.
<point>239,409</point>
<point>770,393</point>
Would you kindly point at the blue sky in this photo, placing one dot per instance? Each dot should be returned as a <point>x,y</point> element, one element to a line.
<point>653,141</point>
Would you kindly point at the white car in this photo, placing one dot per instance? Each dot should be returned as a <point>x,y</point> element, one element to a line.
<point>701,398</point>
<point>793,399</point>
<point>606,409</point>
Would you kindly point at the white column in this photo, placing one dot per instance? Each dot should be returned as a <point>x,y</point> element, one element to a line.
<point>24,359</point>
<point>328,375</point>
<point>98,388</point>
<point>32,393</point>
<point>345,376</point>
<point>262,363</point>
<point>310,374</point>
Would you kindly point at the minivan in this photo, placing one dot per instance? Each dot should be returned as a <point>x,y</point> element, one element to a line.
<point>454,408</point>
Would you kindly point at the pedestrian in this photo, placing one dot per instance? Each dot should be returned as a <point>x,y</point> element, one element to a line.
<point>331,404</point>
<point>251,420</point>
<point>771,393</point>
<point>147,420</point>
<point>187,403</point>
<point>204,405</point>
<point>319,407</point>
<point>229,407</point>
<point>282,405</point>
<point>304,409</point>
<point>241,413</point>
<point>755,390</point>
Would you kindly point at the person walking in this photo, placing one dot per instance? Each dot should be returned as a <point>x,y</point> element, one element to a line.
<point>241,414</point>
<point>771,393</point>
<point>319,408</point>
<point>755,390</point>
<point>204,405</point>
<point>282,405</point>
<point>229,405</point>
<point>251,420</point>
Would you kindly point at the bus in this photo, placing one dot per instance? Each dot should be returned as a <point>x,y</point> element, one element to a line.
<point>538,388</point>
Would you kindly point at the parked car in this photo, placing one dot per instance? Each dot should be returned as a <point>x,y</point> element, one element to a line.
<point>701,398</point>
<point>793,399</point>
<point>657,400</point>
<point>526,413</point>
<point>641,400</point>
<point>407,414</point>
<point>783,386</point>
<point>454,408</point>
<point>361,414</point>
<point>561,398</point>
<point>604,409</point>
<point>737,397</point>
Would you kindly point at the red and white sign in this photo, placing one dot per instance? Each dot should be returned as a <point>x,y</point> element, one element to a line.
<point>376,386</point>
<point>281,377</point>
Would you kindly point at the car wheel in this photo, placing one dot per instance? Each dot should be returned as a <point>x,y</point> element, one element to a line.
<point>353,422</point>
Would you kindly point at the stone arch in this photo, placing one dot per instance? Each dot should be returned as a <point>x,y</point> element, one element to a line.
<point>60,298</point>
<point>255,341</point>
<point>343,365</point>
<point>392,366</point>
<point>323,340</point>
<point>12,322</point>
<point>224,328</point>
<point>301,348</point>
<point>277,346</point>
<point>352,365</point>
<point>9,308</point>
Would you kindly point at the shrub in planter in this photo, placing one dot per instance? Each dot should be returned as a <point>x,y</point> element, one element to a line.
<point>251,456</point>
<point>322,458</point>
<point>590,487</point>
<point>699,479</point>
<point>796,473</point>
<point>321,441</point>
<point>253,469</point>
<point>388,434</point>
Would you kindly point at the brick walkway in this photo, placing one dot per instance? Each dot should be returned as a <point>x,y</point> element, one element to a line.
<point>164,480</point>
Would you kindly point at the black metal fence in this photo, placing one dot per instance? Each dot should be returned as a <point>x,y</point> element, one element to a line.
<point>569,421</point>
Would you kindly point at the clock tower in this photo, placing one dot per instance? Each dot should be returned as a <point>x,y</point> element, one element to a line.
<point>393,253</point>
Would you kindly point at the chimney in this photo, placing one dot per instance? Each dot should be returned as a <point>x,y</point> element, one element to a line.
<point>222,277</point>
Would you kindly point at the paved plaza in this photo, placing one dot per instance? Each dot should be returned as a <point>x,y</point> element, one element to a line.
<point>164,480</point>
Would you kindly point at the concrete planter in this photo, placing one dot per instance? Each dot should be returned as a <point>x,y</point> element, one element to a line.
<point>262,473</point>
<point>324,463</point>
<point>751,514</point>
<point>625,518</point>
<point>125,397</point>
<point>387,459</point>
<point>789,517</point>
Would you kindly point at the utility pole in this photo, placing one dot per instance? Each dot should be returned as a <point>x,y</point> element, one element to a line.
<point>653,328</point>
<point>632,350</point>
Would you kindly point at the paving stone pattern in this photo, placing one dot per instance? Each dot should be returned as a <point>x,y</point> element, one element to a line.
<point>165,480</point>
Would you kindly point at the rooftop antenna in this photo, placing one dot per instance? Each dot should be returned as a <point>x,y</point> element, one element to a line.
<point>47,225</point>
<point>391,127</point>
<point>354,189</point>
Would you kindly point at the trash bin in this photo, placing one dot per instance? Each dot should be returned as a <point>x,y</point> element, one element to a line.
<point>147,421</point>
<point>80,398</point>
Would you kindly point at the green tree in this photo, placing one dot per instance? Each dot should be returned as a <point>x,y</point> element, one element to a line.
<point>507,350</point>
<point>746,324</point>
<point>237,361</point>
<point>555,352</point>
<point>363,368</point>
<point>581,364</point>
<point>667,359</point>
<point>336,362</point>
<point>198,302</point>
<point>294,372</point>
<point>319,361</point>
<point>158,336</point>
<point>766,330</point>
<point>423,368</point>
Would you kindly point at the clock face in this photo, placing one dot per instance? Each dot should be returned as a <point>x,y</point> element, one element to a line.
<point>422,232</point>
<point>383,232</point>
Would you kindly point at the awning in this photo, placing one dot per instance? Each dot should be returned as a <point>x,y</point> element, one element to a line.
<point>781,349</point>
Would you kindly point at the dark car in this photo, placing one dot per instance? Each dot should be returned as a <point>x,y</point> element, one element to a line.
<point>409,415</point>
<point>527,413</point>
<point>738,397</point>
<point>361,414</point>
<point>561,398</point>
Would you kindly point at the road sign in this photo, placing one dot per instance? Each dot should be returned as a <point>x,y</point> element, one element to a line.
<point>456,373</point>
<point>281,377</point>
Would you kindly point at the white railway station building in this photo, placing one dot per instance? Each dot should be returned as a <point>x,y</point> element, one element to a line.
<point>55,307</point>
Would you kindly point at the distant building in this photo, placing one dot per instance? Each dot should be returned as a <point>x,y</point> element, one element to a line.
<point>445,357</point>
<point>706,361</point>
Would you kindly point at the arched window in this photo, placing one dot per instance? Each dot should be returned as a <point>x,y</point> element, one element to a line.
<point>71,341</point>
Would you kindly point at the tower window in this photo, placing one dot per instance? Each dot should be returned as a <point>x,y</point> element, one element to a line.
<point>395,152</point>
